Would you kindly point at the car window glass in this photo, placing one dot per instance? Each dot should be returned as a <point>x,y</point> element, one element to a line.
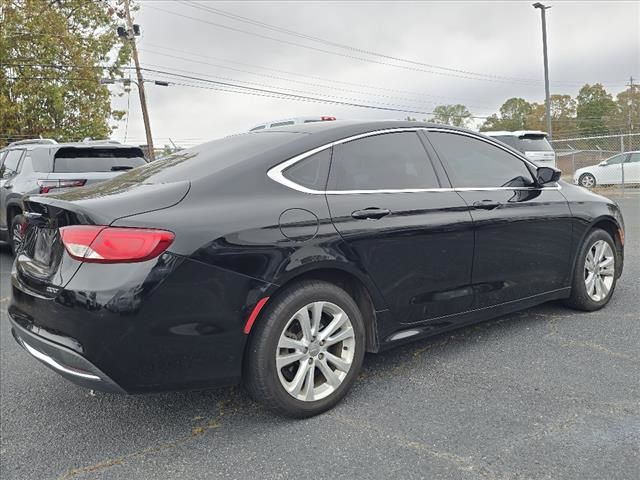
<point>282,124</point>
<point>259,127</point>
<point>617,159</point>
<point>11,163</point>
<point>391,161</point>
<point>2,154</point>
<point>474,163</point>
<point>312,171</point>
<point>634,158</point>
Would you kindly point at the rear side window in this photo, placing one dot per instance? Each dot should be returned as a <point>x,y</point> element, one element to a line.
<point>80,160</point>
<point>634,158</point>
<point>615,160</point>
<point>282,124</point>
<point>259,127</point>
<point>382,162</point>
<point>311,172</point>
<point>473,163</point>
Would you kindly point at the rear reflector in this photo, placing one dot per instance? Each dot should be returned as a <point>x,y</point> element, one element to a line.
<point>47,185</point>
<point>254,315</point>
<point>101,244</point>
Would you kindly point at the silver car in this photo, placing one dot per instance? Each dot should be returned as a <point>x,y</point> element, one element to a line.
<point>41,166</point>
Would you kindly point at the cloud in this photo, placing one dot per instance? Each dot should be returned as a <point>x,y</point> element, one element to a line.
<point>588,43</point>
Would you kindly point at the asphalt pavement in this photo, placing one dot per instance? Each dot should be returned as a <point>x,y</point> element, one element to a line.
<point>547,393</point>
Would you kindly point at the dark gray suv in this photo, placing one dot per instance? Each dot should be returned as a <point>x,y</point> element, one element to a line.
<point>41,166</point>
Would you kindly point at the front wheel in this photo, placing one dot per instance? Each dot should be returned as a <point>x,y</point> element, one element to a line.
<point>306,350</point>
<point>587,180</point>
<point>595,274</point>
<point>16,238</point>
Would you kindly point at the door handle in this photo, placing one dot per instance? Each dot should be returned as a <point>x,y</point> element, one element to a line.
<point>371,212</point>
<point>486,204</point>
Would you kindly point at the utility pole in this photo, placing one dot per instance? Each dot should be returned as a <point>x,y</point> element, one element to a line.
<point>547,99</point>
<point>631,86</point>
<point>130,35</point>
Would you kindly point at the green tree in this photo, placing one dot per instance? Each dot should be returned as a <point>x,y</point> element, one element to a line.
<point>628,110</point>
<point>563,116</point>
<point>513,116</point>
<point>52,56</point>
<point>457,115</point>
<point>595,110</point>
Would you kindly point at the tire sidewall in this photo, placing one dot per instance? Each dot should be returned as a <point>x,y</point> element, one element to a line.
<point>266,335</point>
<point>578,283</point>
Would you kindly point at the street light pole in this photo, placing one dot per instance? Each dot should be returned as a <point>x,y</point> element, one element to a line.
<point>141,92</point>
<point>547,99</point>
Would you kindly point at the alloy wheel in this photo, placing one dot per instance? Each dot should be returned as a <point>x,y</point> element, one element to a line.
<point>315,351</point>
<point>599,270</point>
<point>17,237</point>
<point>588,181</point>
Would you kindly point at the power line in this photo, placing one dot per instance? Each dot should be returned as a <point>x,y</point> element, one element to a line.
<point>324,41</point>
<point>368,60</point>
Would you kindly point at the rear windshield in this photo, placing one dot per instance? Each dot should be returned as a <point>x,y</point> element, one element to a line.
<point>526,143</point>
<point>208,158</point>
<point>80,160</point>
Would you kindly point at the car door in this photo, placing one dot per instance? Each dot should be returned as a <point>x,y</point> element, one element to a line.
<point>10,168</point>
<point>632,168</point>
<point>412,236</point>
<point>522,231</point>
<point>610,171</point>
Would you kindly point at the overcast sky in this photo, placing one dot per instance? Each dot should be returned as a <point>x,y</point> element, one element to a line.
<point>501,41</point>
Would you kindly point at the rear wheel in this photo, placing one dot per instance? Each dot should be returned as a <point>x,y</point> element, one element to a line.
<point>16,235</point>
<point>596,272</point>
<point>587,180</point>
<point>306,350</point>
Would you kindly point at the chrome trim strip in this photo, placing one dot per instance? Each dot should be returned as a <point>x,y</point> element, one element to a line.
<point>52,363</point>
<point>275,173</point>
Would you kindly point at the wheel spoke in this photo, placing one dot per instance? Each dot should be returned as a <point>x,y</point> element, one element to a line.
<point>309,383</point>
<point>607,271</point>
<point>589,281</point>
<point>305,323</point>
<point>287,342</point>
<point>599,289</point>
<point>339,363</point>
<point>316,316</point>
<point>589,262</point>
<point>284,360</point>
<point>296,384</point>
<point>606,262</point>
<point>331,377</point>
<point>599,249</point>
<point>342,335</point>
<point>338,320</point>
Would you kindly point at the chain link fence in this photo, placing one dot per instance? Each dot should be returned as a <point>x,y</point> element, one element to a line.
<point>606,161</point>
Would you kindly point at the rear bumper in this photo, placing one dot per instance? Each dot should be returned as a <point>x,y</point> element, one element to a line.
<point>64,361</point>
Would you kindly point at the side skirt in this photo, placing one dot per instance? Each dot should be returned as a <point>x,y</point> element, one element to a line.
<point>452,322</point>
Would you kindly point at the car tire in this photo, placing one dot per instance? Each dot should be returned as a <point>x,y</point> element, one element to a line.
<point>16,234</point>
<point>596,272</point>
<point>283,385</point>
<point>587,180</point>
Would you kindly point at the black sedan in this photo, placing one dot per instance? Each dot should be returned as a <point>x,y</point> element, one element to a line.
<point>278,258</point>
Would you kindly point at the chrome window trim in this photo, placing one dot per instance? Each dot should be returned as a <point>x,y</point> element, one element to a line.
<point>276,173</point>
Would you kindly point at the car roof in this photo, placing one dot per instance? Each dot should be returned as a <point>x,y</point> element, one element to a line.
<point>351,127</point>
<point>516,133</point>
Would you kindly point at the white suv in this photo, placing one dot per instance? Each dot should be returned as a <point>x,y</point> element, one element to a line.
<point>532,143</point>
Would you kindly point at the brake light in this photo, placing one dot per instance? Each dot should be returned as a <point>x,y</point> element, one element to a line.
<point>102,244</point>
<point>47,185</point>
<point>324,119</point>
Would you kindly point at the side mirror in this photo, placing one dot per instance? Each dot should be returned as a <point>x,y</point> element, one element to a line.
<point>603,163</point>
<point>547,175</point>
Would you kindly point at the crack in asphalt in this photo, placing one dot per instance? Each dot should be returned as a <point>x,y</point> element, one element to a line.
<point>197,431</point>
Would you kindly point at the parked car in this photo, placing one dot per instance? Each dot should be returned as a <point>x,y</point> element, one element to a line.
<point>616,170</point>
<point>43,166</point>
<point>532,143</point>
<point>292,121</point>
<point>278,260</point>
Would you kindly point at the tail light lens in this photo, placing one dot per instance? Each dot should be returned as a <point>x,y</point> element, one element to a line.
<point>101,244</point>
<point>326,119</point>
<point>47,185</point>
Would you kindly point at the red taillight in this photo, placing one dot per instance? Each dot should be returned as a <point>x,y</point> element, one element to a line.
<point>101,244</point>
<point>325,119</point>
<point>47,185</point>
